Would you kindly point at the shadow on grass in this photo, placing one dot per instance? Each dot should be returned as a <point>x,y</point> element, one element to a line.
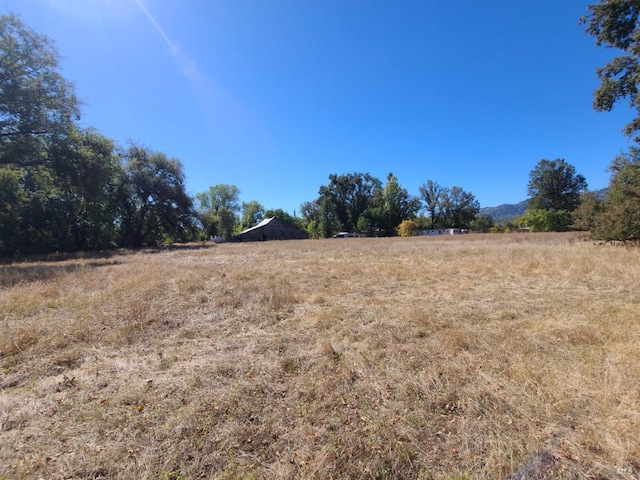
<point>108,253</point>
<point>17,273</point>
<point>33,268</point>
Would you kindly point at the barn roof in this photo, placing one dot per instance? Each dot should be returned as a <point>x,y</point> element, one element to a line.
<point>264,222</point>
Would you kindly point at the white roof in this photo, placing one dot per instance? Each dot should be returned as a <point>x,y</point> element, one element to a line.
<point>264,222</point>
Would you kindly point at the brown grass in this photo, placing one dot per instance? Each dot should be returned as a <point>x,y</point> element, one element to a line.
<point>475,357</point>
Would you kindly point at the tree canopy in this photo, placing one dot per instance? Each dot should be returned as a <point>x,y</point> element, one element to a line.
<point>619,216</point>
<point>218,209</point>
<point>37,104</point>
<point>448,207</point>
<point>154,206</point>
<point>614,24</point>
<point>555,185</point>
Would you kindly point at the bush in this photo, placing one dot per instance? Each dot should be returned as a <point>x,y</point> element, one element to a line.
<point>545,220</point>
<point>408,228</point>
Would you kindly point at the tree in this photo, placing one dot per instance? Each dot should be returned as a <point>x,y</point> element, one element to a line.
<point>615,24</point>
<point>483,223</point>
<point>397,205</point>
<point>555,185</point>
<point>458,208</point>
<point>448,207</point>
<point>285,218</point>
<point>586,217</point>
<point>544,220</point>
<point>252,214</point>
<point>431,195</point>
<point>218,209</point>
<point>350,195</point>
<point>620,216</point>
<point>37,105</point>
<point>154,205</point>
<point>83,202</point>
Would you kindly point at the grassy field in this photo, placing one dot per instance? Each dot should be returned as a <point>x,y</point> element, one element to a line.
<point>472,357</point>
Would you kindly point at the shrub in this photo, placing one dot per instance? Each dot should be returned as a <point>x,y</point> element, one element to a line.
<point>408,228</point>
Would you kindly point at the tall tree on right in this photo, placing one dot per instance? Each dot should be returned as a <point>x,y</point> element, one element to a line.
<point>614,24</point>
<point>620,217</point>
<point>555,185</point>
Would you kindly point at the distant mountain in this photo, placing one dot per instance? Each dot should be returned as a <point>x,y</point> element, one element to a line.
<point>505,211</point>
<point>509,211</point>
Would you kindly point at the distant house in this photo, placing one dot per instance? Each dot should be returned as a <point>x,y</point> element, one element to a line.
<point>270,229</point>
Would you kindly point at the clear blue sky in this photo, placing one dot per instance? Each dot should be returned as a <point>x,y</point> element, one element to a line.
<point>275,95</point>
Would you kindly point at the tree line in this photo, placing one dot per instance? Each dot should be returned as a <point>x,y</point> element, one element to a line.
<point>66,188</point>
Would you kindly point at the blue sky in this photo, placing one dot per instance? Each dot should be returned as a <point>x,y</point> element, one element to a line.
<point>275,95</point>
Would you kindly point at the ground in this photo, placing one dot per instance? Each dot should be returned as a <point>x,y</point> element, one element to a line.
<point>505,356</point>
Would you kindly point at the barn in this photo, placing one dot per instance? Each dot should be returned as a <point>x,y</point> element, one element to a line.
<point>270,229</point>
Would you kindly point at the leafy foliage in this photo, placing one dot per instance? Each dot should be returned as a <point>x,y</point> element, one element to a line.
<point>397,205</point>
<point>619,217</point>
<point>539,220</point>
<point>285,218</point>
<point>555,185</point>
<point>218,209</point>
<point>252,214</point>
<point>614,24</point>
<point>408,228</point>
<point>431,193</point>
<point>482,223</point>
<point>448,207</point>
<point>154,206</point>
<point>587,216</point>
<point>347,198</point>
<point>37,105</point>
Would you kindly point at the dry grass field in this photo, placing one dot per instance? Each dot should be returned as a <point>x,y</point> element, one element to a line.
<point>474,357</point>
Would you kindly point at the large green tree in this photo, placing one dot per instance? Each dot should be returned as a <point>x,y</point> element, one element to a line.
<point>459,208</point>
<point>350,195</point>
<point>252,214</point>
<point>37,104</point>
<point>397,205</point>
<point>619,218</point>
<point>555,185</point>
<point>58,178</point>
<point>431,194</point>
<point>154,205</point>
<point>615,24</point>
<point>83,201</point>
<point>448,207</point>
<point>218,209</point>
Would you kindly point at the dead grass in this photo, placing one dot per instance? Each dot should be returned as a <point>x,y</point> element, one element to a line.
<point>484,356</point>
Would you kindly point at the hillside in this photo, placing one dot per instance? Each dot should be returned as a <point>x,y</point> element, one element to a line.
<point>509,211</point>
<point>505,211</point>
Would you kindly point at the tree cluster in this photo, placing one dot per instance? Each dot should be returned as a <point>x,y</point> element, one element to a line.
<point>359,203</point>
<point>64,187</point>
